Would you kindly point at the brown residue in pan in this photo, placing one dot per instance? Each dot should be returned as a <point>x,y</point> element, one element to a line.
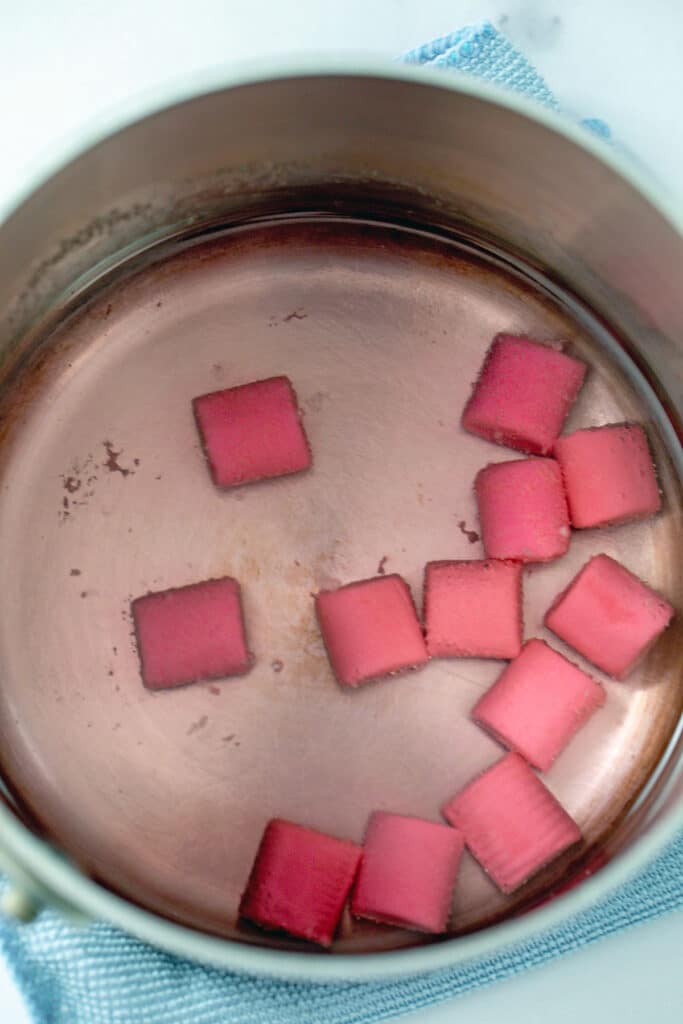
<point>112,460</point>
<point>471,535</point>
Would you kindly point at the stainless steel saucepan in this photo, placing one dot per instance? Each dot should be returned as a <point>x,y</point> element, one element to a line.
<point>365,229</point>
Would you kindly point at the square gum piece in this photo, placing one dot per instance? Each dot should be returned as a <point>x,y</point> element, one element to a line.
<point>538,703</point>
<point>609,616</point>
<point>523,510</point>
<point>407,873</point>
<point>191,633</point>
<point>252,432</point>
<point>512,824</point>
<point>523,395</point>
<point>473,609</point>
<point>370,629</point>
<point>608,475</point>
<point>300,881</point>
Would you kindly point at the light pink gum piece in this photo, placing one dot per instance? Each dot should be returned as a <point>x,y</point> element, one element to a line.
<point>523,510</point>
<point>191,634</point>
<point>473,609</point>
<point>512,824</point>
<point>300,881</point>
<point>252,432</point>
<point>608,475</point>
<point>523,395</point>
<point>408,872</point>
<point>370,629</point>
<point>538,703</point>
<point>609,616</point>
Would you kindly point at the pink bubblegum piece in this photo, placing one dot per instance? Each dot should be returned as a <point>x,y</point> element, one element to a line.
<point>523,510</point>
<point>512,824</point>
<point>191,633</point>
<point>538,703</point>
<point>252,432</point>
<point>473,609</point>
<point>523,395</point>
<point>608,475</point>
<point>300,881</point>
<point>370,629</point>
<point>408,872</point>
<point>609,616</point>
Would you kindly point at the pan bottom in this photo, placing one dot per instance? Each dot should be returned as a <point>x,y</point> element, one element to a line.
<point>105,495</point>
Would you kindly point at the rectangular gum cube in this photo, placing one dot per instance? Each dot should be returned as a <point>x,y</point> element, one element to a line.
<point>473,609</point>
<point>609,616</point>
<point>191,633</point>
<point>252,432</point>
<point>408,871</point>
<point>523,510</point>
<point>300,881</point>
<point>608,474</point>
<point>512,824</point>
<point>370,629</point>
<point>538,703</point>
<point>523,395</point>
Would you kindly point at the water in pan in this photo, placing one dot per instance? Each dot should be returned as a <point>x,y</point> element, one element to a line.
<point>106,495</point>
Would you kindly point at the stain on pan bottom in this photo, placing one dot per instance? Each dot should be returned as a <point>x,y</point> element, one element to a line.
<point>105,495</point>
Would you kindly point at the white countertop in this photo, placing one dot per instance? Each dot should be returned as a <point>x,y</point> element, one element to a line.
<point>620,60</point>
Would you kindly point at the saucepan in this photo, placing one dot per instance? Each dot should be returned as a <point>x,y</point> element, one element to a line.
<point>365,230</point>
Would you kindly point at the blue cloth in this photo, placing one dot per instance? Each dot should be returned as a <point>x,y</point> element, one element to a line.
<point>101,976</point>
<point>482,51</point>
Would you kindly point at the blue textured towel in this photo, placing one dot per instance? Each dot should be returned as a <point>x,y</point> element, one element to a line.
<point>101,976</point>
<point>482,51</point>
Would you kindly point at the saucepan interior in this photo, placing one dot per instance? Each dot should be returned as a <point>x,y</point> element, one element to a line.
<point>366,234</point>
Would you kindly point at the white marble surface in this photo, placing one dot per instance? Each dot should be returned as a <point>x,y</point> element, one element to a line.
<point>64,61</point>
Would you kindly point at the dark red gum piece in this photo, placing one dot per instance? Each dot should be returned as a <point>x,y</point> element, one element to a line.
<point>300,881</point>
<point>192,633</point>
